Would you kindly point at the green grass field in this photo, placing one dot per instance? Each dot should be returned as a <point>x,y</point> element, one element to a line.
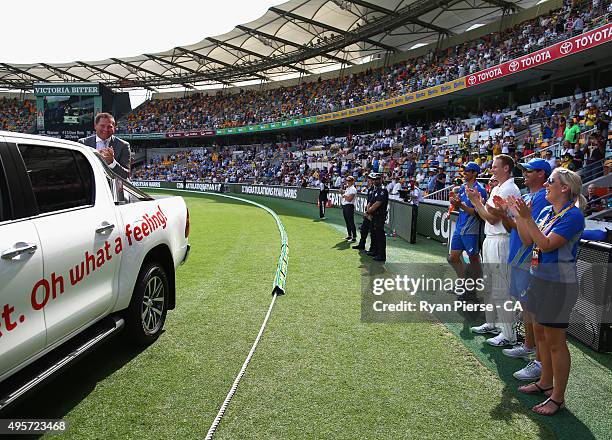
<point>319,372</point>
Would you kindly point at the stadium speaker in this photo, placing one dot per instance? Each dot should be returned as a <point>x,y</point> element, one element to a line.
<point>591,319</point>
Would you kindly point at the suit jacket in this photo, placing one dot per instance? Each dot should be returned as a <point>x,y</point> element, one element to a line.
<point>122,152</point>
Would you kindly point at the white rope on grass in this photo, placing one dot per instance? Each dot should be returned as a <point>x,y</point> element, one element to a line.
<point>232,390</point>
<point>278,287</point>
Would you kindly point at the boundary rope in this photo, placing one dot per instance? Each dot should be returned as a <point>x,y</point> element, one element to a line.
<point>278,288</point>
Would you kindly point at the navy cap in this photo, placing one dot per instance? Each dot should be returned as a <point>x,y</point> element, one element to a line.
<point>472,166</point>
<point>374,176</point>
<point>537,164</point>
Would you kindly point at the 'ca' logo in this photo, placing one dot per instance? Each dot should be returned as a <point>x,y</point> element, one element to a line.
<point>566,47</point>
<point>514,65</point>
<point>471,80</point>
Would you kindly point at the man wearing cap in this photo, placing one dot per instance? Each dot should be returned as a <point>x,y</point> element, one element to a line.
<point>536,171</point>
<point>348,208</point>
<point>378,214</point>
<point>366,224</point>
<point>495,249</point>
<point>467,229</point>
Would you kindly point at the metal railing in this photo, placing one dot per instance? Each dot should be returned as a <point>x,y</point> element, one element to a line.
<point>557,147</point>
<point>440,195</point>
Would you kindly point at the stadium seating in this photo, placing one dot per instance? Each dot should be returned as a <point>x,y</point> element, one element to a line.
<point>445,144</point>
<point>199,111</point>
<point>17,115</point>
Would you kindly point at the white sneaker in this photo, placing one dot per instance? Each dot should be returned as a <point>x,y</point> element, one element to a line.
<point>499,341</point>
<point>486,328</point>
<point>531,372</point>
<point>519,351</point>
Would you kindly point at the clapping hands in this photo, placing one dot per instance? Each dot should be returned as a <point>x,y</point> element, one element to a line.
<point>519,207</point>
<point>108,155</point>
<point>474,196</point>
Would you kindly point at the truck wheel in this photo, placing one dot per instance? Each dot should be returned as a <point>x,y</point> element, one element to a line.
<point>147,311</point>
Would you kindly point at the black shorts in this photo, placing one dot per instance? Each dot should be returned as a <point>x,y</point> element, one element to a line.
<point>551,302</point>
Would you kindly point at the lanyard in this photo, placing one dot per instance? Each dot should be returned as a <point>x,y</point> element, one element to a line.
<point>547,224</point>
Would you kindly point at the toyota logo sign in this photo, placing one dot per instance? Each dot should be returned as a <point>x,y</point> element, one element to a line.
<point>514,65</point>
<point>566,47</point>
<point>472,80</point>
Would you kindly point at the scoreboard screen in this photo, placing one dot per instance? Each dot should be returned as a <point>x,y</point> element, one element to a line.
<point>68,113</point>
<point>67,110</point>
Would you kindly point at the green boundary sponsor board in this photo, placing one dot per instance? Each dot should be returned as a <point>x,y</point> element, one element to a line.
<point>268,126</point>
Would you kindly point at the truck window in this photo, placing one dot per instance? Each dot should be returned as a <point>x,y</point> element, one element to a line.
<point>61,178</point>
<point>4,196</point>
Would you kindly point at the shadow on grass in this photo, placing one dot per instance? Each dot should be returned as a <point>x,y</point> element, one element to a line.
<point>342,245</point>
<point>57,397</point>
<point>562,425</point>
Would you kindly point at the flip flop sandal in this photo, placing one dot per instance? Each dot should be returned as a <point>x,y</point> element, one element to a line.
<point>559,405</point>
<point>539,390</point>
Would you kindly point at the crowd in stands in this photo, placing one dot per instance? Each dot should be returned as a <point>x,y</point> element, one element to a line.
<point>17,115</point>
<point>201,111</point>
<point>411,154</point>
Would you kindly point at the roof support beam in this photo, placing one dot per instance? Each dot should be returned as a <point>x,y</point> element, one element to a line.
<point>255,54</point>
<point>508,6</point>
<point>21,72</point>
<point>132,67</point>
<point>289,43</point>
<point>162,61</point>
<point>377,8</point>
<point>199,56</point>
<point>328,27</point>
<point>62,72</point>
<point>114,75</point>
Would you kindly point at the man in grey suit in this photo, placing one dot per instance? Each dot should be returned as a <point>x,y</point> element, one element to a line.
<point>116,152</point>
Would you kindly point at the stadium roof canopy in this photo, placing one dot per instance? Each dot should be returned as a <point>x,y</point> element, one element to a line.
<point>299,36</point>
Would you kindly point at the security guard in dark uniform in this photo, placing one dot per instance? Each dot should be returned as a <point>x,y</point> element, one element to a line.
<point>378,213</point>
<point>365,227</point>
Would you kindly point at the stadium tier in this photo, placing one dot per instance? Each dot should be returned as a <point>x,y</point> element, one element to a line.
<point>223,110</point>
<point>432,156</point>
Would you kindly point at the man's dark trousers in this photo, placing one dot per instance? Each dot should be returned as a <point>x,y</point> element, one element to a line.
<point>348,211</point>
<point>379,240</point>
<point>364,230</point>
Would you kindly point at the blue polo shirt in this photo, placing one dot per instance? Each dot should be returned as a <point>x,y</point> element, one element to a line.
<point>560,265</point>
<point>468,224</point>
<point>520,255</point>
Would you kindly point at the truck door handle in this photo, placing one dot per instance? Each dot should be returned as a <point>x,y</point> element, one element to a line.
<point>18,249</point>
<point>104,228</point>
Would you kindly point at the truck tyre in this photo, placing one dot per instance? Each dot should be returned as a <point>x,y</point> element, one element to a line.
<point>146,314</point>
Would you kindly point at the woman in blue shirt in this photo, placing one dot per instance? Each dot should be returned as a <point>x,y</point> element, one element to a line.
<point>553,291</point>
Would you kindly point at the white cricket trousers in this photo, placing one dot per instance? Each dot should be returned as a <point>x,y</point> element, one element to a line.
<point>495,250</point>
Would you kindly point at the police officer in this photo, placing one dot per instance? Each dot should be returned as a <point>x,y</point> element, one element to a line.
<point>365,227</point>
<point>378,214</point>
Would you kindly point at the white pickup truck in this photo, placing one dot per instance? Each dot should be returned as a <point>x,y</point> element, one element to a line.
<point>79,246</point>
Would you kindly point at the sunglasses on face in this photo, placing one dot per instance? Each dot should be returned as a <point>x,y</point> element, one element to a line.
<point>550,180</point>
